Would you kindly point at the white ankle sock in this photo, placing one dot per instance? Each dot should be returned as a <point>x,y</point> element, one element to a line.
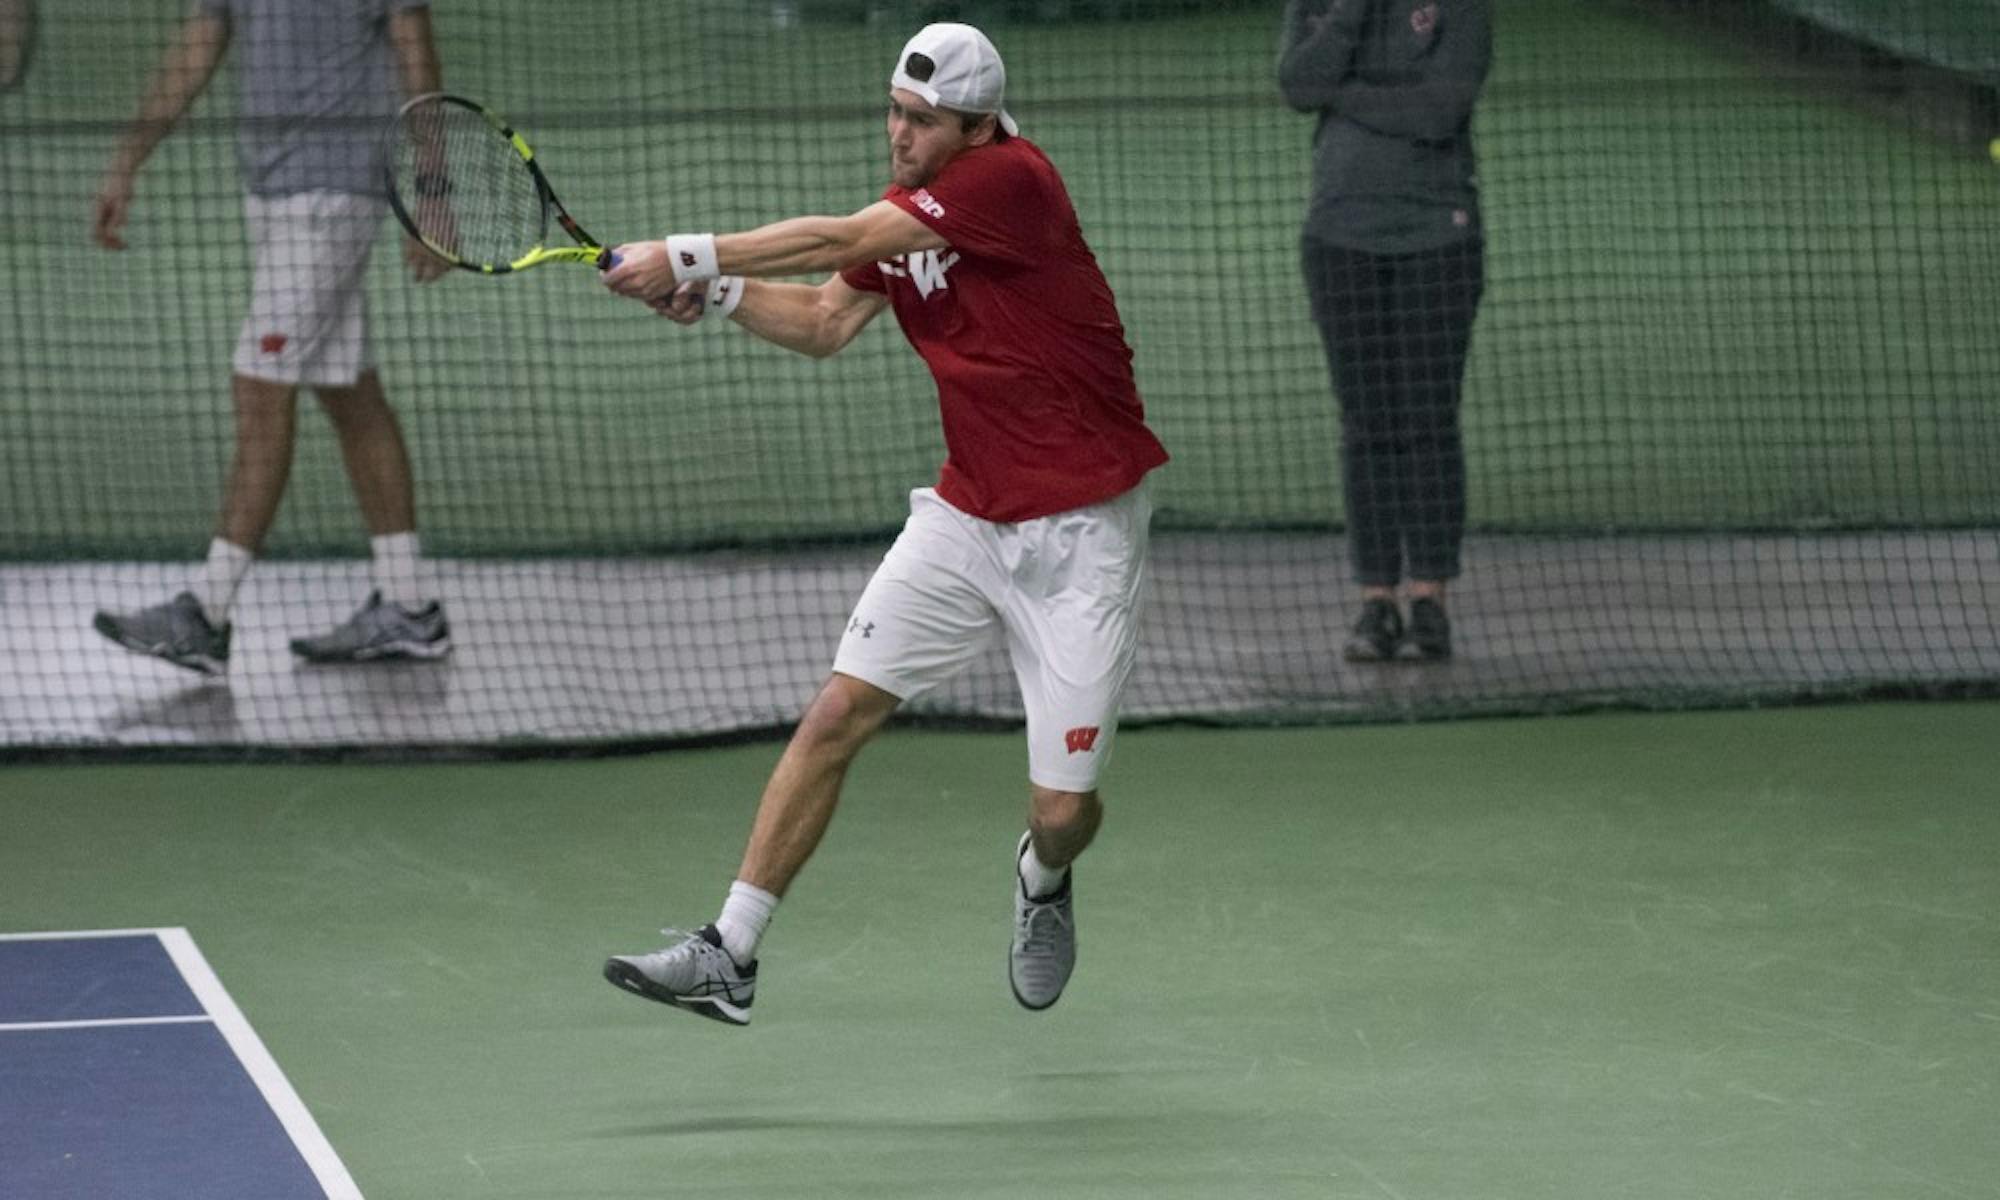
<point>1040,881</point>
<point>220,577</point>
<point>396,557</point>
<point>744,917</point>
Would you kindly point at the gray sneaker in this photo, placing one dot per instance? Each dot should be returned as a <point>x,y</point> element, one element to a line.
<point>1044,950</point>
<point>177,631</point>
<point>694,973</point>
<point>379,630</point>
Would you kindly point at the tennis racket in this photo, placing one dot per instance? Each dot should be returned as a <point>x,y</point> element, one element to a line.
<point>468,187</point>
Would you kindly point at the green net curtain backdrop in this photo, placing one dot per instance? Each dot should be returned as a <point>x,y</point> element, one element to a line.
<point>1731,417</point>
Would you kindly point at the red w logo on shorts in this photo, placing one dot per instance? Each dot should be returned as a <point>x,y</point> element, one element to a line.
<point>1082,738</point>
<point>272,343</point>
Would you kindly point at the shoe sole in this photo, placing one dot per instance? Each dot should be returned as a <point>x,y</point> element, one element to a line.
<point>425,651</point>
<point>628,978</point>
<point>1023,1000</point>
<point>200,664</point>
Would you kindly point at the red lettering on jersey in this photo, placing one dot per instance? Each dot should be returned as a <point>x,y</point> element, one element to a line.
<point>272,343</point>
<point>1082,738</point>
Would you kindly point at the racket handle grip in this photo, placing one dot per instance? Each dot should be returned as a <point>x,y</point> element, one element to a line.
<point>606,260</point>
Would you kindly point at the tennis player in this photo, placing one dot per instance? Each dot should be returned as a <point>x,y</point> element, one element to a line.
<point>315,89</point>
<point>1035,534</point>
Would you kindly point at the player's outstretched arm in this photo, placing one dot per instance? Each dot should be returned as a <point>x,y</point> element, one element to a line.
<point>817,321</point>
<point>800,246</point>
<point>183,72</point>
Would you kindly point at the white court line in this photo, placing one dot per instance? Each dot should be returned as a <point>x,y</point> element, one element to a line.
<point>101,1023</point>
<point>235,1029</point>
<point>60,935</point>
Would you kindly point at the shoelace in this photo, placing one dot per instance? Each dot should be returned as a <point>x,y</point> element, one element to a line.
<point>683,944</point>
<point>1031,933</point>
<point>678,939</point>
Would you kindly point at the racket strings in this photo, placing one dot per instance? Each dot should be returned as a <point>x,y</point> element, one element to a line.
<point>464,186</point>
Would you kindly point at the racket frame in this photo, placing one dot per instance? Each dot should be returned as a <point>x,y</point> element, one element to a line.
<point>587,250</point>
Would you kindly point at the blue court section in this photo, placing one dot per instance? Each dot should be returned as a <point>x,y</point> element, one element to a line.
<point>153,1106</point>
<point>91,979</point>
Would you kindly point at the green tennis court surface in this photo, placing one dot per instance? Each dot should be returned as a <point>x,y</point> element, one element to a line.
<point>1705,955</point>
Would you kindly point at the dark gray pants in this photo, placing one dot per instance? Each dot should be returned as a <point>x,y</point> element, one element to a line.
<point>1397,330</point>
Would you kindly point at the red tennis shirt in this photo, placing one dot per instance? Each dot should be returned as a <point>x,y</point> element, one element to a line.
<point>1021,332</point>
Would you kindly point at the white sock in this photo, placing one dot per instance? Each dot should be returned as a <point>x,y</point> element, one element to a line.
<point>216,587</point>
<point>396,556</point>
<point>1040,881</point>
<point>744,916</point>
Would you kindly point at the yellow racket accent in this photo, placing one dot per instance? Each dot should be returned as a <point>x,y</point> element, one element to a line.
<point>539,255</point>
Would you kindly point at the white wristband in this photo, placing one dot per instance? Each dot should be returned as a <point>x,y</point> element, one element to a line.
<point>725,292</point>
<point>692,256</point>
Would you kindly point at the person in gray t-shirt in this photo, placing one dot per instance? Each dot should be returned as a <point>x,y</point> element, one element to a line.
<point>316,83</point>
<point>1394,259</point>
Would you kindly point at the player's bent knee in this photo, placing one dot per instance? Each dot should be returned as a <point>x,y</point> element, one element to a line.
<point>1059,812</point>
<point>846,711</point>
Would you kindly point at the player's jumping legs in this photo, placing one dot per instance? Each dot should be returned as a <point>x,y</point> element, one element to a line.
<point>1042,954</point>
<point>1062,824</point>
<point>1072,629</point>
<point>712,972</point>
<point>804,789</point>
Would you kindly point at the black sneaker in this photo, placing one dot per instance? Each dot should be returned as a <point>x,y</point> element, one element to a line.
<point>1376,633</point>
<point>1429,638</point>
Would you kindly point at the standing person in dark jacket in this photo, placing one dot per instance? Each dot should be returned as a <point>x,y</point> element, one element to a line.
<point>1394,261</point>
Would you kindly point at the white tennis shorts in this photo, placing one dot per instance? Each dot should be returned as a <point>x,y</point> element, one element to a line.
<point>1063,590</point>
<point>308,319</point>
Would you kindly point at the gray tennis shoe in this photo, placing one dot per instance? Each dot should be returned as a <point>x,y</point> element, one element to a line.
<point>380,630</point>
<point>694,973</point>
<point>178,632</point>
<point>1044,949</point>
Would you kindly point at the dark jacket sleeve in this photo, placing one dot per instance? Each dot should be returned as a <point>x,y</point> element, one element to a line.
<point>1434,103</point>
<point>1316,50</point>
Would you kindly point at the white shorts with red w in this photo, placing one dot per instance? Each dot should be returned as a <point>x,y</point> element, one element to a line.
<point>1063,591</point>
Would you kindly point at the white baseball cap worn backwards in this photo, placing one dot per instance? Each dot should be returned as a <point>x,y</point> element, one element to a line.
<point>954,66</point>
